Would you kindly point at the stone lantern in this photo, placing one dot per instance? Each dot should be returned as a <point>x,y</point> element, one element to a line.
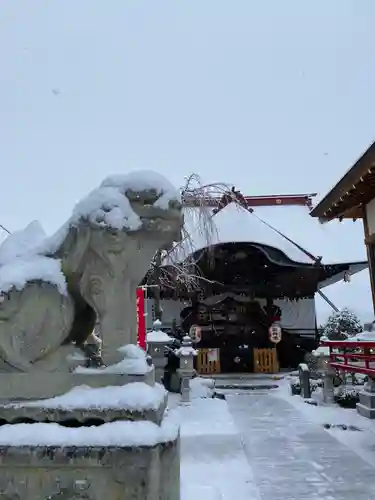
<point>324,367</point>
<point>186,353</point>
<point>157,342</point>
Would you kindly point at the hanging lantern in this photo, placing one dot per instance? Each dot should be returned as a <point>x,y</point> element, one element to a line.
<point>275,333</point>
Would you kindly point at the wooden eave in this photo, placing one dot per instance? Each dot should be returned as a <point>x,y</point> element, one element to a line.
<point>356,188</point>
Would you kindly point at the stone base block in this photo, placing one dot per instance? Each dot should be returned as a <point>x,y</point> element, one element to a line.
<point>365,411</point>
<point>366,405</point>
<point>367,399</point>
<point>90,473</point>
<point>42,385</point>
<point>21,413</point>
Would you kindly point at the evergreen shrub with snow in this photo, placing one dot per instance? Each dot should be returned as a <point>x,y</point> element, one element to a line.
<point>295,385</point>
<point>342,325</point>
<point>346,396</point>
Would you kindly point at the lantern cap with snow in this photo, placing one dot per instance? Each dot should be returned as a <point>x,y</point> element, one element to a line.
<point>157,341</point>
<point>186,353</point>
<point>322,353</point>
<point>157,336</point>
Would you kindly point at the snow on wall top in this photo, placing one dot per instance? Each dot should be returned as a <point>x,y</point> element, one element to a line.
<point>235,224</point>
<point>23,254</point>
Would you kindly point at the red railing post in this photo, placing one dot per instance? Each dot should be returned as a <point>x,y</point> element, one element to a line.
<point>366,352</point>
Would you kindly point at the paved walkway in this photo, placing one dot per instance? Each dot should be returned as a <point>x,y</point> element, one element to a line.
<point>292,459</point>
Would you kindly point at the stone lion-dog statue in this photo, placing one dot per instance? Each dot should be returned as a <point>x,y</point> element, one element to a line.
<point>103,252</point>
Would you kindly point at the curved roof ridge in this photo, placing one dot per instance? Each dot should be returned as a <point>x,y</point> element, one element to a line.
<point>273,226</point>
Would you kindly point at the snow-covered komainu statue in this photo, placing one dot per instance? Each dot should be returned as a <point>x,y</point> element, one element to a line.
<point>53,291</point>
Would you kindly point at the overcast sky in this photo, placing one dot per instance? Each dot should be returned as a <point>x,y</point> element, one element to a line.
<point>272,96</point>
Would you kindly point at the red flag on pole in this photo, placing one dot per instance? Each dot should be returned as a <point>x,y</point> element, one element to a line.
<point>141,323</point>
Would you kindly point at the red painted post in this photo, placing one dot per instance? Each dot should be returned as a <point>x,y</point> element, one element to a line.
<point>141,323</point>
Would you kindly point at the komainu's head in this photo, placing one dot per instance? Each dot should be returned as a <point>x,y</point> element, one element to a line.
<point>111,239</point>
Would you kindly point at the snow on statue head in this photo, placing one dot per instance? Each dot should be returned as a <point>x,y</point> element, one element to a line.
<point>105,250</point>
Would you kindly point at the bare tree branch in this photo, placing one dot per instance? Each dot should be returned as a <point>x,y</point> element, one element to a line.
<point>179,265</point>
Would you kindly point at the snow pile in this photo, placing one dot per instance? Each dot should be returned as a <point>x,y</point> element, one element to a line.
<point>20,243</point>
<point>134,363</point>
<point>106,207</point>
<point>136,396</point>
<point>18,265</point>
<point>145,180</point>
<point>38,268</point>
<point>158,336</point>
<point>122,433</point>
<point>201,388</point>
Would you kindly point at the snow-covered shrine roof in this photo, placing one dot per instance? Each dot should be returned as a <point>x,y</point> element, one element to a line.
<point>235,224</point>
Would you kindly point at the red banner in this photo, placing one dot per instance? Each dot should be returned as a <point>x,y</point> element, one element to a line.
<point>141,323</point>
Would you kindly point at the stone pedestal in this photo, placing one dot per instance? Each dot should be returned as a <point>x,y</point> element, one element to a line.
<point>91,473</point>
<point>103,435</point>
<point>112,443</point>
<point>366,405</point>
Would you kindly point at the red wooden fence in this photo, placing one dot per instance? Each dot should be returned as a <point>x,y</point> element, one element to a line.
<point>342,357</point>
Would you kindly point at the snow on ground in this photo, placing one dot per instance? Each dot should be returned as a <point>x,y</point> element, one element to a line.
<point>214,465</point>
<point>268,445</point>
<point>361,442</point>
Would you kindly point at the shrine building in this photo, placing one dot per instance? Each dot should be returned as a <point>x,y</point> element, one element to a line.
<point>264,263</point>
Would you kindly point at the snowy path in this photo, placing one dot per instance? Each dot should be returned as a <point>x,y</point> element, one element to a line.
<point>294,459</point>
<point>214,465</point>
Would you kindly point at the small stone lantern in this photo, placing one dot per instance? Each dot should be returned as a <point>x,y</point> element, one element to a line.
<point>186,353</point>
<point>328,373</point>
<point>157,341</point>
